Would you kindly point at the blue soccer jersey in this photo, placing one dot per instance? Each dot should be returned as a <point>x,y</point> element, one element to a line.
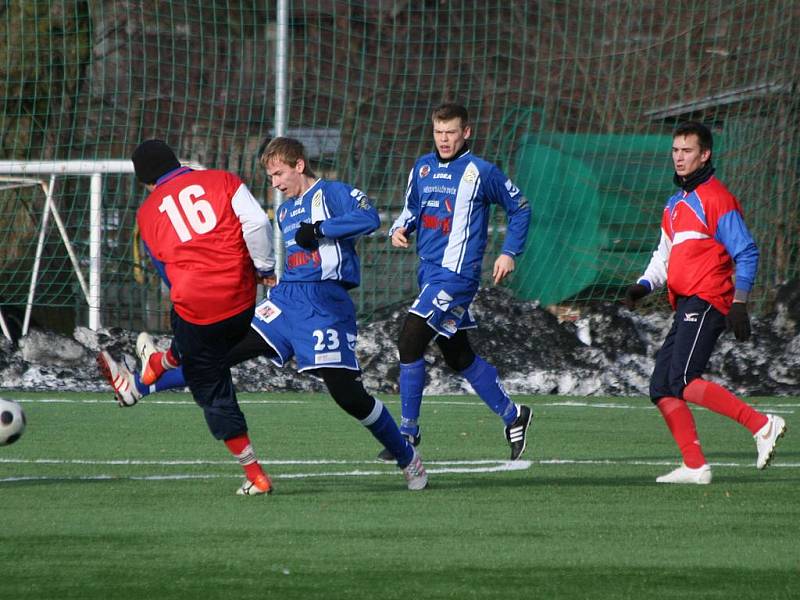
<point>447,204</point>
<point>346,213</point>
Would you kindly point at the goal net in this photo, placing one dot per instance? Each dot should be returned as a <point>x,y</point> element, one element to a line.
<point>574,99</point>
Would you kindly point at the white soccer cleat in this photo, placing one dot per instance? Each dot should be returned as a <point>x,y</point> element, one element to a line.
<point>767,438</point>
<point>683,474</point>
<point>120,379</point>
<point>262,485</point>
<point>145,348</point>
<point>415,474</point>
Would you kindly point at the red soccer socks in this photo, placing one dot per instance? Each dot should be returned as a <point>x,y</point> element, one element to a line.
<point>719,400</point>
<point>241,448</point>
<point>157,363</point>
<point>681,425</point>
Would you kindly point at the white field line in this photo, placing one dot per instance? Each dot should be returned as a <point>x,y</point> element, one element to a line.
<point>81,461</point>
<point>479,467</point>
<point>440,466</point>
<point>433,467</point>
<point>641,405</point>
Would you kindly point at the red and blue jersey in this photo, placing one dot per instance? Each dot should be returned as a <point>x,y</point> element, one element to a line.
<point>346,214</point>
<point>448,205</point>
<point>704,242</point>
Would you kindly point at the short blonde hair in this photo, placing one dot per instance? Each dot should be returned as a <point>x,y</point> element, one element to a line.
<point>287,150</point>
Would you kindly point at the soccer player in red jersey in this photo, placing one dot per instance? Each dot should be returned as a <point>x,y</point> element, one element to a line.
<point>210,240</point>
<point>708,261</point>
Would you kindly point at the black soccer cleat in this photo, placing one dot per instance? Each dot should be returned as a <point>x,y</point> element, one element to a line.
<point>386,456</point>
<point>517,432</point>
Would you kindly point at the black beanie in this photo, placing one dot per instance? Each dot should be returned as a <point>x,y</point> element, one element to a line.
<point>152,159</point>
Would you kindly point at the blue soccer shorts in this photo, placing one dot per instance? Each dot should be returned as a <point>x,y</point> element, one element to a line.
<point>313,322</point>
<point>444,300</point>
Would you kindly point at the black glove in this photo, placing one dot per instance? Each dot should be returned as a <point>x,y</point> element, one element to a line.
<point>634,293</point>
<point>307,235</point>
<point>738,321</point>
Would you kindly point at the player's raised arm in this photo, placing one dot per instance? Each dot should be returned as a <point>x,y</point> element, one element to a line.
<point>354,214</point>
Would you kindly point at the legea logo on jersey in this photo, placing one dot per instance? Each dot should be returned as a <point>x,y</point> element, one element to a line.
<point>442,176</point>
<point>511,188</point>
<point>297,211</point>
<point>424,170</point>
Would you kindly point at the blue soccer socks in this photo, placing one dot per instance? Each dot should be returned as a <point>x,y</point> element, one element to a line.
<point>383,426</point>
<point>484,380</point>
<point>171,379</point>
<point>412,382</point>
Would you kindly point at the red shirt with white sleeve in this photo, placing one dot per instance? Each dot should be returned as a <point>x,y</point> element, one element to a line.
<point>211,236</point>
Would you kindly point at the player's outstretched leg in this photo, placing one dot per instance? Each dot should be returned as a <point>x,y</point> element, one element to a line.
<point>127,385</point>
<point>383,426</point>
<point>415,474</point>
<point>119,378</point>
<point>348,391</point>
<point>517,432</point>
<point>517,418</point>
<point>766,429</point>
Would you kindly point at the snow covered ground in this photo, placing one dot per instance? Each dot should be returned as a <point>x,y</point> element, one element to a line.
<point>608,351</point>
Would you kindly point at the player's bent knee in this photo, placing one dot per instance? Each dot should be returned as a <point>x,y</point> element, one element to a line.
<point>348,391</point>
<point>459,361</point>
<point>676,388</point>
<point>415,336</point>
<point>658,391</point>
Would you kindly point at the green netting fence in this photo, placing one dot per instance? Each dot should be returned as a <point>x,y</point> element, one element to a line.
<point>574,99</point>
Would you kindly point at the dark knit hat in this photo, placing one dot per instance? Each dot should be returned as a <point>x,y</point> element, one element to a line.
<point>152,159</point>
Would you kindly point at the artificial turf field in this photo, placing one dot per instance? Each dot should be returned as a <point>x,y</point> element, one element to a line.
<point>102,502</point>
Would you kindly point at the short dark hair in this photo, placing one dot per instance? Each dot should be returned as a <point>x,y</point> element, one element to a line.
<point>451,110</point>
<point>702,132</point>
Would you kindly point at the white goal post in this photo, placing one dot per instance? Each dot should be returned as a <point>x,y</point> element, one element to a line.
<point>15,173</point>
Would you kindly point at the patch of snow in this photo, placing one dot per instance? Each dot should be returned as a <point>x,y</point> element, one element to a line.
<point>607,351</point>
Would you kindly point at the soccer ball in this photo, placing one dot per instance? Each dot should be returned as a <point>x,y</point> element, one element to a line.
<point>12,422</point>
